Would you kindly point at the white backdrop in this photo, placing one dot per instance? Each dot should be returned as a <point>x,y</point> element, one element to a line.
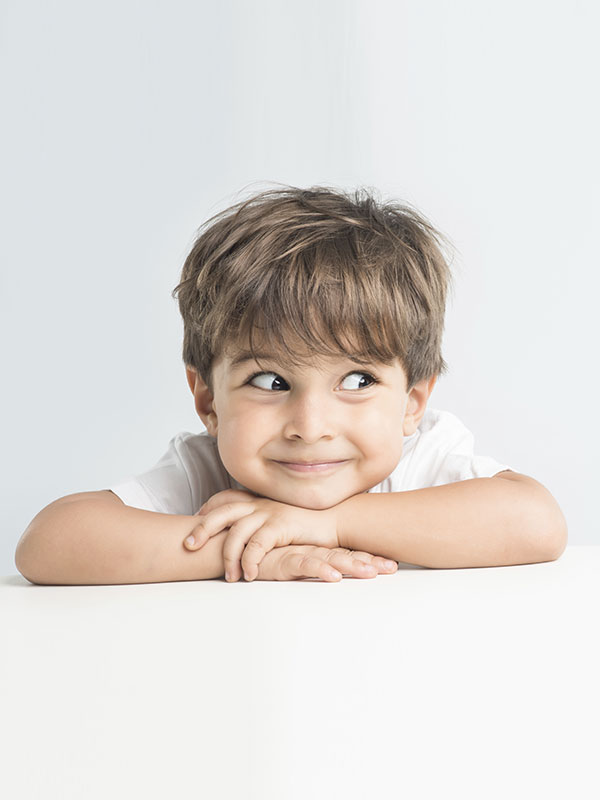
<point>127,124</point>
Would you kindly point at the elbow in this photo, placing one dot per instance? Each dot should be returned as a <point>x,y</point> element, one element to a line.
<point>27,557</point>
<point>24,567</point>
<point>43,547</point>
<point>541,514</point>
<point>29,575</point>
<point>23,563</point>
<point>554,538</point>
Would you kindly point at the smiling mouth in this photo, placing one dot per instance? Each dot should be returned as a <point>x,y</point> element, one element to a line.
<point>310,466</point>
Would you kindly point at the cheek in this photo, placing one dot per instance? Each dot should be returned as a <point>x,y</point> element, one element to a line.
<point>241,438</point>
<point>382,437</point>
<point>243,430</point>
<point>381,425</point>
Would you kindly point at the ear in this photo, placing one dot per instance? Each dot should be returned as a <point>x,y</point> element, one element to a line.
<point>417,403</point>
<point>203,400</point>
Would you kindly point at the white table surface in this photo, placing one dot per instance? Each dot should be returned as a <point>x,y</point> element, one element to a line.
<point>478,683</point>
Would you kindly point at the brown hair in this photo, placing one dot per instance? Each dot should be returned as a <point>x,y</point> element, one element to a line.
<point>316,271</point>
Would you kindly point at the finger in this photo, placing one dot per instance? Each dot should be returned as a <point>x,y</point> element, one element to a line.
<point>220,498</point>
<point>216,521</point>
<point>267,537</point>
<point>380,563</point>
<point>348,564</point>
<point>195,539</point>
<point>356,564</point>
<point>233,547</point>
<point>297,565</point>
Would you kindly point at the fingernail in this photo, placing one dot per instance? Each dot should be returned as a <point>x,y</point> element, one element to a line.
<point>227,576</point>
<point>246,576</point>
<point>190,540</point>
<point>390,564</point>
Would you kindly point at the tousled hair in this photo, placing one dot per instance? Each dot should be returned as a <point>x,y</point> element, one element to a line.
<point>316,272</point>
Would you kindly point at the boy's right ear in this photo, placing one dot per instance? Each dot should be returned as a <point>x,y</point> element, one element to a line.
<point>203,400</point>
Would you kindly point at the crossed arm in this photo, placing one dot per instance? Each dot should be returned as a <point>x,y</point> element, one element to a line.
<point>93,538</point>
<point>483,522</point>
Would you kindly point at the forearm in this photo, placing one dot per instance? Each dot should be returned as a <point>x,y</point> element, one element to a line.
<point>484,522</point>
<point>95,541</point>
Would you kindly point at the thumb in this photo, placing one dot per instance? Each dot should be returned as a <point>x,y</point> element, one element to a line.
<point>195,539</point>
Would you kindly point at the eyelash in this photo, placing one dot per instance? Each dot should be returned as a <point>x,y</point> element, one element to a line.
<point>373,379</point>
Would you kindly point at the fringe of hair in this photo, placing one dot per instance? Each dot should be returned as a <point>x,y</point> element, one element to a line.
<point>317,272</point>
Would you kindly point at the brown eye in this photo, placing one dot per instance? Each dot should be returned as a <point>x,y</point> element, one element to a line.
<point>265,380</point>
<point>359,384</point>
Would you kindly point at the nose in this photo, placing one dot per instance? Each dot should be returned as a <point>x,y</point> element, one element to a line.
<point>310,417</point>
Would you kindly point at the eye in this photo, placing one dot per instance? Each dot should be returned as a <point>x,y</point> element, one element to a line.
<point>352,375</point>
<point>267,378</point>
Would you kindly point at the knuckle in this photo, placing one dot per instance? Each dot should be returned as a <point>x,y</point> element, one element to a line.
<point>234,528</point>
<point>255,544</point>
<point>233,506</point>
<point>238,532</point>
<point>307,561</point>
<point>231,549</point>
<point>328,555</point>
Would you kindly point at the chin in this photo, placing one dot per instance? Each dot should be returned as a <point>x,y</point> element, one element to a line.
<point>301,497</point>
<point>313,503</point>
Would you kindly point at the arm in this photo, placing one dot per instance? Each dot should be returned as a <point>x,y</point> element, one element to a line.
<point>94,538</point>
<point>484,522</point>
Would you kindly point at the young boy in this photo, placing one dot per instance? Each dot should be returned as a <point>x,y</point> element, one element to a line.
<point>313,323</point>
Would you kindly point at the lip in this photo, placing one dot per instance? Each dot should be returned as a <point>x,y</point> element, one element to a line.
<point>311,466</point>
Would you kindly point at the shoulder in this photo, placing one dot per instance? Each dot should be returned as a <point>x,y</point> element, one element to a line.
<point>198,455</point>
<point>439,431</point>
<point>444,453</point>
<point>439,423</point>
<point>187,442</point>
<point>195,450</point>
<point>184,477</point>
<point>440,451</point>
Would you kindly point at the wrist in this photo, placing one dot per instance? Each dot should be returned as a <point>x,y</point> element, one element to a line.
<point>344,512</point>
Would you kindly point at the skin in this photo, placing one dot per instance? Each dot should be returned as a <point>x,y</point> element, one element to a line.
<point>328,411</point>
<point>331,410</point>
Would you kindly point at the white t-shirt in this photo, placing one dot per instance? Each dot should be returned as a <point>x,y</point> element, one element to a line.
<point>440,451</point>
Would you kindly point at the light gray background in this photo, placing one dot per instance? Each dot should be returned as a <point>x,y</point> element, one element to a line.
<point>127,124</point>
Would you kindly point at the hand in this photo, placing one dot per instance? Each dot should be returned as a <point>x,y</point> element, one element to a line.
<point>307,561</point>
<point>256,526</point>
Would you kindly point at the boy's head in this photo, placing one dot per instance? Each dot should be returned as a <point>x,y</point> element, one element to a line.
<point>322,282</point>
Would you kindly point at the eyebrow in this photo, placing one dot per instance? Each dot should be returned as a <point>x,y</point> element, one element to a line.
<point>246,355</point>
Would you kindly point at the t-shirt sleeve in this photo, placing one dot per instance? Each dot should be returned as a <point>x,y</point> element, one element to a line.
<point>442,451</point>
<point>164,488</point>
<point>463,467</point>
<point>460,462</point>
